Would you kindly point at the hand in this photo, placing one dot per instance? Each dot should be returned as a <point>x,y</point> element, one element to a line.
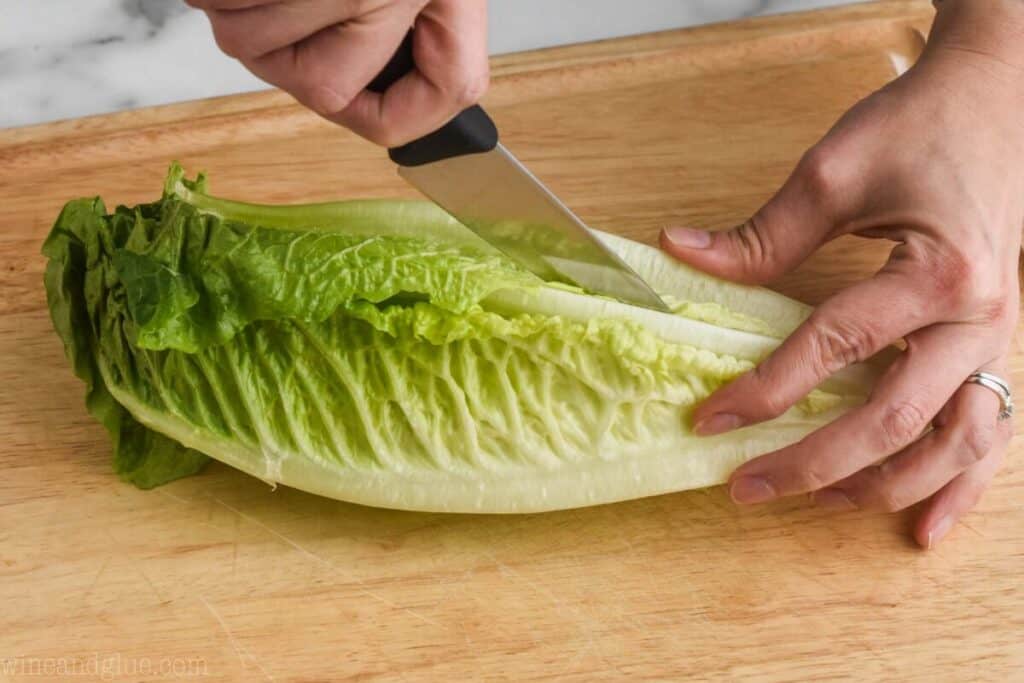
<point>325,52</point>
<point>935,163</point>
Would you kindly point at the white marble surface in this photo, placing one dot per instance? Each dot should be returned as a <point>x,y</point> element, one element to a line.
<point>67,58</point>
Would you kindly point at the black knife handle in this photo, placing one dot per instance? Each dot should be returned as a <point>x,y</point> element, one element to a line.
<point>471,131</point>
<point>400,64</point>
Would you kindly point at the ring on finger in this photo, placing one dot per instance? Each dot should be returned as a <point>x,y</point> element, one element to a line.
<point>997,385</point>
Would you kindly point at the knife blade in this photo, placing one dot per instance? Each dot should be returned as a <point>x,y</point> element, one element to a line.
<point>464,169</point>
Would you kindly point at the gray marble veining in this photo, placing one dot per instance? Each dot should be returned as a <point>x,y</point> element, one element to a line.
<point>68,58</point>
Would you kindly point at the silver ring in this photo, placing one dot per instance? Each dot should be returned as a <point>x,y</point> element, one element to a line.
<point>1000,387</point>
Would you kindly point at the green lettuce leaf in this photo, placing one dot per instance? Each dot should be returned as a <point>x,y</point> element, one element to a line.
<point>380,353</point>
<point>76,285</point>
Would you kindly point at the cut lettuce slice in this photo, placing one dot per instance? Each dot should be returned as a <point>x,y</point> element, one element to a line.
<point>378,352</point>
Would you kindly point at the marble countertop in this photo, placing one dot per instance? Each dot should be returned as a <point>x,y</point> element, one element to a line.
<point>68,58</point>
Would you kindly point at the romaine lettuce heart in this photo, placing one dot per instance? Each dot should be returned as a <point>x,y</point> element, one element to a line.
<point>380,353</point>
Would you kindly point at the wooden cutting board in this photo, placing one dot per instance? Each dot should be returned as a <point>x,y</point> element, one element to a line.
<point>220,576</point>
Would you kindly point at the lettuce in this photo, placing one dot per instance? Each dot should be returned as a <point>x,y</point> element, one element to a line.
<point>378,352</point>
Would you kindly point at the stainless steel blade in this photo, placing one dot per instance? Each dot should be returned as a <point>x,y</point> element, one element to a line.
<point>499,199</point>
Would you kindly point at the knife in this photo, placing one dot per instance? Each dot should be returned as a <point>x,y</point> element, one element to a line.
<point>464,169</point>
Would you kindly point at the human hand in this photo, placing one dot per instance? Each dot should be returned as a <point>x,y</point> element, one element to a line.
<point>325,52</point>
<point>935,163</point>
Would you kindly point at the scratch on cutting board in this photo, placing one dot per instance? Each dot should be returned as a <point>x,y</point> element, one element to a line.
<point>167,494</point>
<point>975,601</point>
<point>190,503</point>
<point>137,567</point>
<point>877,656</point>
<point>95,579</point>
<point>530,583</point>
<point>159,598</point>
<point>971,528</point>
<point>338,570</point>
<point>583,621</point>
<point>240,649</point>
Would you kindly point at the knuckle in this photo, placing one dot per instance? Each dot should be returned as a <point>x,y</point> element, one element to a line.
<point>812,478</point>
<point>950,272</point>
<point>837,344</point>
<point>808,474</point>
<point>901,425</point>
<point>231,41</point>
<point>324,99</point>
<point>471,88</point>
<point>318,93</point>
<point>384,134</point>
<point>772,405</point>
<point>386,137</point>
<point>886,494</point>
<point>770,402</point>
<point>891,500</point>
<point>978,441</point>
<point>967,286</point>
<point>998,312</point>
<point>821,172</point>
<point>755,251</point>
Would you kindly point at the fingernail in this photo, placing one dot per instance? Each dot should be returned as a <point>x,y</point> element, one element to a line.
<point>688,237</point>
<point>833,499</point>
<point>939,530</point>
<point>718,424</point>
<point>749,490</point>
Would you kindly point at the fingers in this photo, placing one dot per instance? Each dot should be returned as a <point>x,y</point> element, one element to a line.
<point>848,328</point>
<point>450,51</point>
<point>966,433</point>
<point>219,5</point>
<point>798,219</point>
<point>957,498</point>
<point>250,31</point>
<point>325,52</point>
<point>902,406</point>
<point>327,70</point>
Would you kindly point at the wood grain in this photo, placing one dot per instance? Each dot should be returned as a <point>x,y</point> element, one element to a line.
<point>239,582</point>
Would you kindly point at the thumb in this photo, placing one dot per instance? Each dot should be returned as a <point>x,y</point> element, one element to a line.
<point>776,239</point>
